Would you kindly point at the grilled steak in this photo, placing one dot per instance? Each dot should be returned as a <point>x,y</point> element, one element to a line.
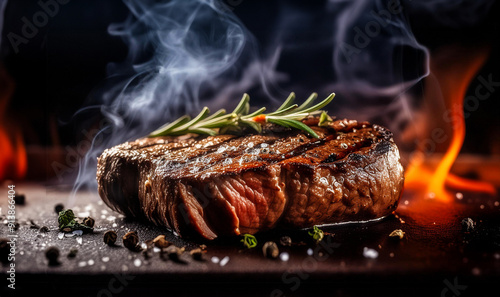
<point>229,185</point>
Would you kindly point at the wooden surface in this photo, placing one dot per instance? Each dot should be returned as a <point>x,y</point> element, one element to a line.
<point>434,254</point>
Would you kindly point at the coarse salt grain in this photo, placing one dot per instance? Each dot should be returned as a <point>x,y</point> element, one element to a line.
<point>284,256</point>
<point>79,240</point>
<point>105,259</point>
<point>370,253</point>
<point>215,259</point>
<point>310,252</point>
<point>224,261</point>
<point>137,262</point>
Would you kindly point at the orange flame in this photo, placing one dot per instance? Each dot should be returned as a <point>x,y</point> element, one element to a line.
<point>454,69</point>
<point>13,159</point>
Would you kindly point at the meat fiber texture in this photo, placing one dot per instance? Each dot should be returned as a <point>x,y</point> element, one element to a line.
<point>224,185</point>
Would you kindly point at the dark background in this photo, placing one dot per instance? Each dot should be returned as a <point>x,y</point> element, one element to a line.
<point>60,70</point>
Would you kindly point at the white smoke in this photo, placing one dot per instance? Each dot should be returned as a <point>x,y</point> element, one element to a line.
<point>178,51</point>
<point>188,53</point>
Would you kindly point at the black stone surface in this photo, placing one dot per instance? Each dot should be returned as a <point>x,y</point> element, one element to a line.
<point>436,257</point>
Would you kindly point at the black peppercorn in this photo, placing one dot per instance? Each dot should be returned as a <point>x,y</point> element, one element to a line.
<point>72,253</point>
<point>89,222</point>
<point>131,240</point>
<point>270,250</point>
<point>20,199</point>
<point>52,254</point>
<point>59,207</point>
<point>110,237</point>
<point>285,241</point>
<point>44,229</point>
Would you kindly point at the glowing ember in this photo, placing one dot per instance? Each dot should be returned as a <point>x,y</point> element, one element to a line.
<point>454,69</point>
<point>13,160</point>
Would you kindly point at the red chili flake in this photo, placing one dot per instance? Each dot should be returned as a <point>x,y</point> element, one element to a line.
<point>260,118</point>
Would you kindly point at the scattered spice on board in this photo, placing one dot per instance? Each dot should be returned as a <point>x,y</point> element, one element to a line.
<point>286,241</point>
<point>33,225</point>
<point>197,254</point>
<point>131,241</point>
<point>317,234</point>
<point>270,250</point>
<point>468,224</point>
<point>52,254</point>
<point>59,207</point>
<point>67,222</point>
<point>161,242</point>
<point>249,241</point>
<point>72,252</point>
<point>89,222</point>
<point>110,237</point>
<point>20,199</point>
<point>174,253</point>
<point>398,233</point>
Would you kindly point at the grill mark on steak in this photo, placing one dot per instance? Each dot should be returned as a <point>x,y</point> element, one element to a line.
<point>225,185</point>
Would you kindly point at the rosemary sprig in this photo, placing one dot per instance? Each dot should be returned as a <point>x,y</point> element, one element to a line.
<point>287,115</point>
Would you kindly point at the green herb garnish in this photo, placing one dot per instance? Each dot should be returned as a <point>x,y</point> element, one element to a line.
<point>287,115</point>
<point>249,241</point>
<point>67,221</point>
<point>317,234</point>
<point>324,119</point>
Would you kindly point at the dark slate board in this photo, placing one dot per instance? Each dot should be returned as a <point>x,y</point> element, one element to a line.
<point>436,257</point>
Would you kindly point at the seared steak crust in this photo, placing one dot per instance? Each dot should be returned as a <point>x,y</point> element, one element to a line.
<point>228,185</point>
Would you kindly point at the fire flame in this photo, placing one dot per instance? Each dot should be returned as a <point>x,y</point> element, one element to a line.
<point>13,159</point>
<point>454,69</point>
